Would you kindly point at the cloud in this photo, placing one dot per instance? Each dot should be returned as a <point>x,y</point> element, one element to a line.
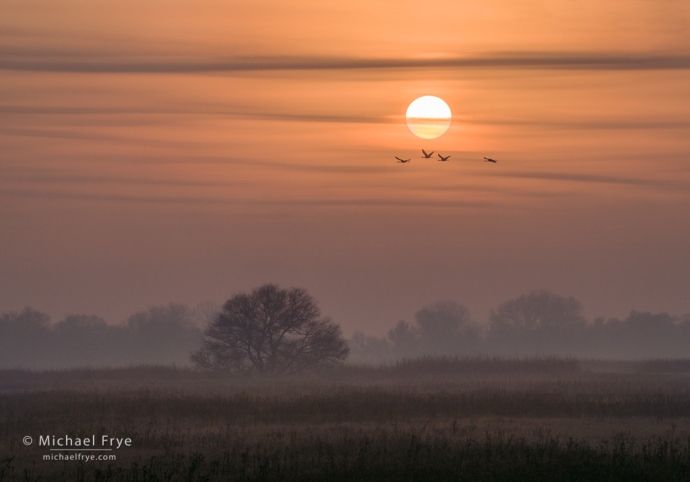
<point>86,179</point>
<point>584,124</point>
<point>88,63</point>
<point>247,112</point>
<point>77,134</point>
<point>596,178</point>
<point>314,202</point>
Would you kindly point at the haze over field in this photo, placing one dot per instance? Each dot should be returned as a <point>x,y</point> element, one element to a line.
<point>183,152</point>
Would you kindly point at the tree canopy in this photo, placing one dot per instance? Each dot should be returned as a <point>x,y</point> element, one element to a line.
<point>271,331</point>
<point>538,310</point>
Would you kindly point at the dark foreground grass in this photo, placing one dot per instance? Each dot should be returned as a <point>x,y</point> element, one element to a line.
<point>453,366</point>
<point>424,368</point>
<point>60,411</point>
<point>349,434</point>
<point>386,457</point>
<point>402,422</point>
<point>664,366</point>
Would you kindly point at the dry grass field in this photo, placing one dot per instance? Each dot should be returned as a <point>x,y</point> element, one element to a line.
<point>432,419</point>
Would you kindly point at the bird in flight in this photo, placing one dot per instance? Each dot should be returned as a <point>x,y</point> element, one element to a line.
<point>486,159</point>
<point>427,156</point>
<point>443,158</point>
<point>402,160</point>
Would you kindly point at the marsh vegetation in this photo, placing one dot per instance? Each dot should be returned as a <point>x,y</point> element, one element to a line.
<point>429,419</point>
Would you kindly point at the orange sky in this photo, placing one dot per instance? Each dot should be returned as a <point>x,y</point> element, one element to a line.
<point>181,151</point>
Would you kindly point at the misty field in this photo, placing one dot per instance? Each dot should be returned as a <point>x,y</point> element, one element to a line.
<point>433,419</point>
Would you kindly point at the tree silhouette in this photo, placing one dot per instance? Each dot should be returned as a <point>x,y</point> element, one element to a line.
<point>24,338</point>
<point>405,339</point>
<point>538,310</point>
<point>162,333</point>
<point>539,322</point>
<point>445,327</point>
<point>271,331</point>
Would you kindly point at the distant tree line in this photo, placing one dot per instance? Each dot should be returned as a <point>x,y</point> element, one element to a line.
<point>536,324</point>
<point>270,331</point>
<point>273,330</point>
<point>160,335</point>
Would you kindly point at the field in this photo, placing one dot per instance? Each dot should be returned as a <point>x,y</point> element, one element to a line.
<point>433,419</point>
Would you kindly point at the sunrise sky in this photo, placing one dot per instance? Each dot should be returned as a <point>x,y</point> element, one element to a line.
<point>185,150</point>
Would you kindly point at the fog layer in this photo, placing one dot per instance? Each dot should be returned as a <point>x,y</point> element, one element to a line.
<point>539,323</point>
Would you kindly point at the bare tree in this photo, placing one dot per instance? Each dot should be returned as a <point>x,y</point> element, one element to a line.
<point>271,331</point>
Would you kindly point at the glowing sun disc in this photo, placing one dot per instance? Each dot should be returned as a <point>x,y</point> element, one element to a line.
<point>428,117</point>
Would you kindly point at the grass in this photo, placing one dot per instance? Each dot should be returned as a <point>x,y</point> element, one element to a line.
<point>664,366</point>
<point>378,454</point>
<point>433,419</point>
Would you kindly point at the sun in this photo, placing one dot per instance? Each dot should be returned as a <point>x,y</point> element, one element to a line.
<point>428,117</point>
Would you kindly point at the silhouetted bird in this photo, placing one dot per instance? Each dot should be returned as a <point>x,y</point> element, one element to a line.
<point>427,156</point>
<point>402,160</point>
<point>442,159</point>
<point>486,159</point>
